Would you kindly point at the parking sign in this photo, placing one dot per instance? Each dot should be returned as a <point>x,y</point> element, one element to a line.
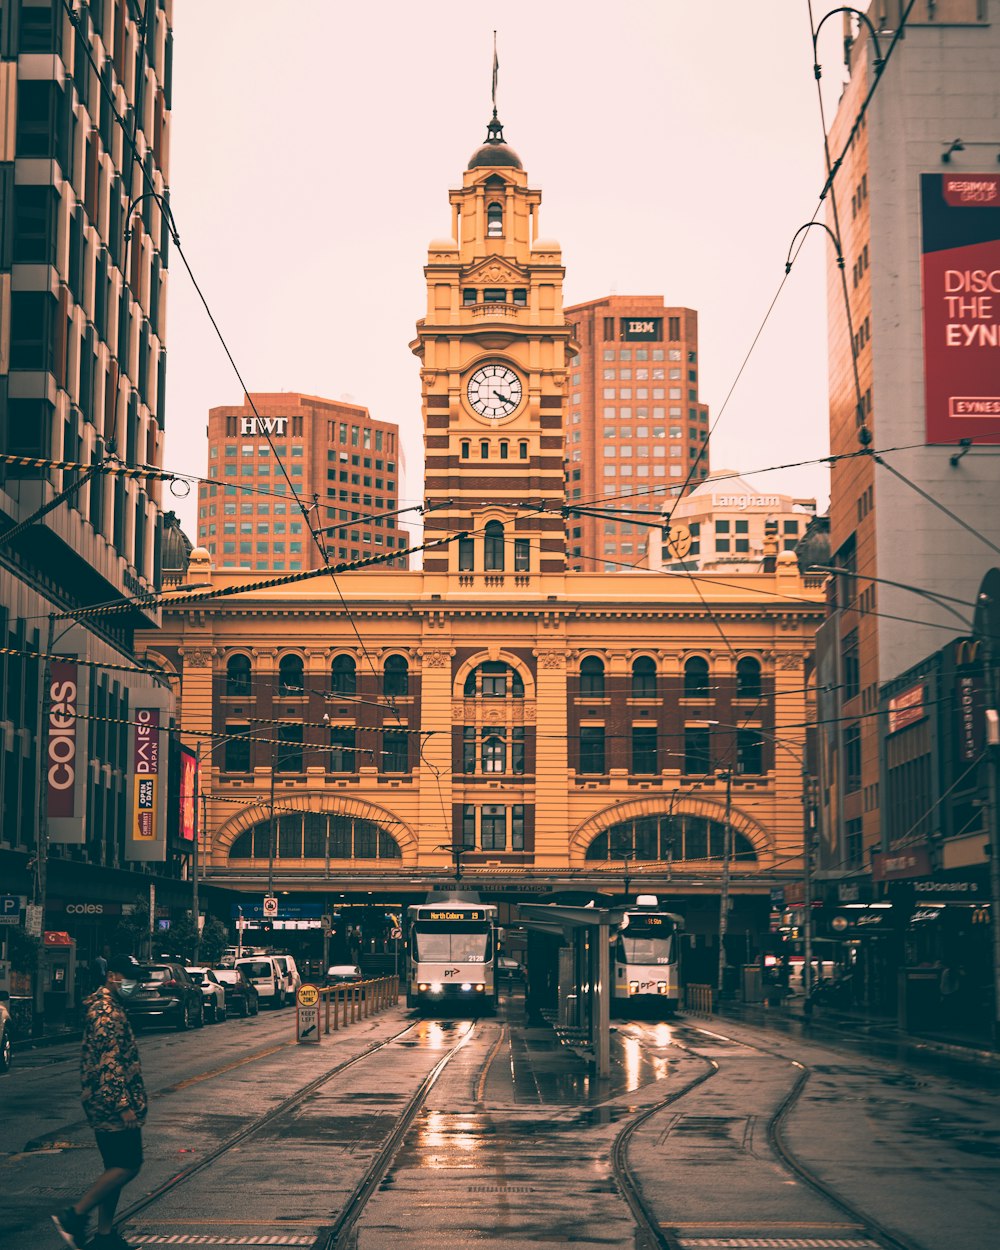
<point>10,909</point>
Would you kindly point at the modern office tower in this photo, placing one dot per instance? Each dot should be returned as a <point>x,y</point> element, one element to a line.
<point>635,431</point>
<point>84,171</point>
<point>914,377</point>
<point>336,456</point>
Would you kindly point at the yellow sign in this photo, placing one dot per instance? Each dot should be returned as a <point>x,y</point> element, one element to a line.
<point>307,996</point>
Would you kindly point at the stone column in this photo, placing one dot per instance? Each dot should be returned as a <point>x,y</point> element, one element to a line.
<point>551,757</point>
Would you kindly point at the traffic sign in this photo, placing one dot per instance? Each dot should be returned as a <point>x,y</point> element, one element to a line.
<point>307,995</point>
<point>326,923</point>
<point>307,1024</point>
<point>270,905</point>
<point>10,909</point>
<point>396,933</point>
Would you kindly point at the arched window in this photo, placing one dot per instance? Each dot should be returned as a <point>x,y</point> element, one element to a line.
<point>316,835</point>
<point>643,678</point>
<point>494,221</point>
<point>748,678</point>
<point>344,675</point>
<point>494,753</point>
<point>667,837</point>
<point>494,679</point>
<point>290,675</point>
<point>238,675</point>
<point>592,676</point>
<point>396,676</point>
<point>696,678</point>
<point>493,546</point>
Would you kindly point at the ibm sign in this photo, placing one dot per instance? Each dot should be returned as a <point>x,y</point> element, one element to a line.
<point>263,425</point>
<point>642,329</point>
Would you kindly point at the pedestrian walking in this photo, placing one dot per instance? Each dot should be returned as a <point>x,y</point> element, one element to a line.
<point>114,1101</point>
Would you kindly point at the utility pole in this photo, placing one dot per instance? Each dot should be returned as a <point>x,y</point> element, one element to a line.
<point>808,836</point>
<point>987,630</point>
<point>270,833</point>
<point>198,831</point>
<point>727,838</point>
<point>42,841</point>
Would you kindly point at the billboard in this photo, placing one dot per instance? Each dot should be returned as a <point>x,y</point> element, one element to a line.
<point>960,274</point>
<point>66,752</point>
<point>189,795</point>
<point>147,779</point>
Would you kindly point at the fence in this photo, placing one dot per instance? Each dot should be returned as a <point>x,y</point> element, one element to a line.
<point>699,1000</point>
<point>346,1003</point>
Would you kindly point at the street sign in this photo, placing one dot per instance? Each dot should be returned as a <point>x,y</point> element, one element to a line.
<point>307,995</point>
<point>326,923</point>
<point>10,909</point>
<point>307,1024</point>
<point>270,905</point>
<point>33,920</point>
<point>396,933</point>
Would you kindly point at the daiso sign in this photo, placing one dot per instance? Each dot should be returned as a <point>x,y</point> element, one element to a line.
<point>60,755</point>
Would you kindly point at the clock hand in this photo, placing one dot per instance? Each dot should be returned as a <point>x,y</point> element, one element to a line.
<point>505,400</point>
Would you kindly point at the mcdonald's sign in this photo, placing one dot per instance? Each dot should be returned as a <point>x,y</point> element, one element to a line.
<point>967,652</point>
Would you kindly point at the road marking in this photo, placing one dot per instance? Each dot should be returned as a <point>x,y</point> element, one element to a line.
<point>778,1243</point>
<point>481,1086</point>
<point>208,1239</point>
<point>237,1063</point>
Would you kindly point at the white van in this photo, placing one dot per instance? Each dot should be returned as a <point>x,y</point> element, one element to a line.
<point>267,977</point>
<point>291,974</point>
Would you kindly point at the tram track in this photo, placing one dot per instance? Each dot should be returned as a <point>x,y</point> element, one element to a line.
<point>866,1230</point>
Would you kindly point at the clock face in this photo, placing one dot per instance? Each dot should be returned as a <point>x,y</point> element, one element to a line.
<point>494,391</point>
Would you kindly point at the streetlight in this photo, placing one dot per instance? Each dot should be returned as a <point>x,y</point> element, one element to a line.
<point>456,853</point>
<point>727,838</point>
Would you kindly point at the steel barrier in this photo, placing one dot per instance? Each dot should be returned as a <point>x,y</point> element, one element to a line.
<point>362,999</point>
<point>699,1000</point>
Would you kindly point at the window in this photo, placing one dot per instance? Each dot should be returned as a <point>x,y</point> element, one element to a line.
<point>290,674</point>
<point>493,827</point>
<point>522,555</point>
<point>469,749</point>
<point>749,752</point>
<point>522,450</point>
<point>288,757</point>
<point>468,826</point>
<point>395,677</point>
<point>395,751</point>
<point>850,661</point>
<point>493,680</point>
<point>494,221</point>
<point>697,750</point>
<point>340,758</point>
<point>493,546</point>
<point>852,759</point>
<point>747,678</point>
<point>238,675</point>
<point>644,678</point>
<point>592,677</point>
<point>466,555</point>
<point>696,678</point>
<point>494,752</point>
<point>855,843</point>
<point>343,675</point>
<point>517,827</point>
<point>237,749</point>
<point>591,748</point>
<point>644,758</point>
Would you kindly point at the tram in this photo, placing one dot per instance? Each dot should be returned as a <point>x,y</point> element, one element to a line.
<point>452,953</point>
<point>645,957</point>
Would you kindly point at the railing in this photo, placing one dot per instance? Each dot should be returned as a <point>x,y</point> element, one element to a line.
<point>358,1001</point>
<point>496,311</point>
<point>699,999</point>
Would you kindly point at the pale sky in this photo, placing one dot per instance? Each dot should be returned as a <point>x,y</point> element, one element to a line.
<point>677,145</point>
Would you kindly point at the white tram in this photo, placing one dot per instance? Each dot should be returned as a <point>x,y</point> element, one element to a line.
<point>452,954</point>
<point>645,957</point>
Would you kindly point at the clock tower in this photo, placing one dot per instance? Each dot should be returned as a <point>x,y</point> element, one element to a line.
<point>494,348</point>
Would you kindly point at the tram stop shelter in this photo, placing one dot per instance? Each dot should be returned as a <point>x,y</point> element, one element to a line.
<point>584,968</point>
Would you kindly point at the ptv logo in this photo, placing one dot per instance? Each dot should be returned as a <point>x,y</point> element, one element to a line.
<point>452,972</point>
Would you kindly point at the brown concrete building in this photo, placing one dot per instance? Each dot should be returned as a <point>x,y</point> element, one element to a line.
<point>247,518</point>
<point>553,730</point>
<point>634,426</point>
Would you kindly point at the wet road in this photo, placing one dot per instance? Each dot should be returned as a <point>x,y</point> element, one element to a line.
<point>734,1134</point>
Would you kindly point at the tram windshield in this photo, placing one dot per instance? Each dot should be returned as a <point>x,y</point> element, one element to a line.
<point>646,941</point>
<point>441,944</point>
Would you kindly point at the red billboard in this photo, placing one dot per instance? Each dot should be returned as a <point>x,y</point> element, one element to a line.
<point>960,216</point>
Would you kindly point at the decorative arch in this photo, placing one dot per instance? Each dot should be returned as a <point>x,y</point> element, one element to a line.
<point>160,661</point>
<point>708,809</point>
<point>331,804</point>
<point>494,653</point>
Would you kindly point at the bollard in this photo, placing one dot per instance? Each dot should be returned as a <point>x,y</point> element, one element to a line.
<point>366,992</point>
<point>326,1021</point>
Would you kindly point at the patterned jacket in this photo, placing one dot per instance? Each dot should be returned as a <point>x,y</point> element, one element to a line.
<point>109,1064</point>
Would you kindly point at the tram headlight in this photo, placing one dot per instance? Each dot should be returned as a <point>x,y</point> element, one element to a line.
<point>480,987</point>
<point>661,987</point>
<point>423,987</point>
<point>435,987</point>
<point>466,987</point>
<point>633,987</point>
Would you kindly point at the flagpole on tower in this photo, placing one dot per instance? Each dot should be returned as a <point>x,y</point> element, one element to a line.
<point>496,68</point>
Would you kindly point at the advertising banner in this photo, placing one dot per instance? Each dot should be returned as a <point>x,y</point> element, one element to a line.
<point>147,781</point>
<point>907,708</point>
<point>960,216</point>
<point>189,794</point>
<point>66,752</point>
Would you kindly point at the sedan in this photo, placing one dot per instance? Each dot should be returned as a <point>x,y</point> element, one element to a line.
<point>213,993</point>
<point>510,969</point>
<point>242,998</point>
<point>163,993</point>
<point>341,975</point>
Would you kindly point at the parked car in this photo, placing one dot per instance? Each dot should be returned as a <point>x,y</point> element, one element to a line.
<point>232,953</point>
<point>340,976</point>
<point>6,1048</point>
<point>212,992</point>
<point>163,993</point>
<point>242,998</point>
<point>509,969</point>
<point>268,977</point>
<point>292,978</point>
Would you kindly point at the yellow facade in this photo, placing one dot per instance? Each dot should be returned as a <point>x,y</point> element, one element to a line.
<point>504,710</point>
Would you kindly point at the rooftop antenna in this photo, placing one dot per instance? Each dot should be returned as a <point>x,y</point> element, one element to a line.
<point>496,71</point>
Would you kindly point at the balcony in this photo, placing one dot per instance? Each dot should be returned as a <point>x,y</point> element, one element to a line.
<point>495,312</point>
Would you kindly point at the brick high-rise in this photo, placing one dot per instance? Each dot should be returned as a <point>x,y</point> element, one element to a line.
<point>634,425</point>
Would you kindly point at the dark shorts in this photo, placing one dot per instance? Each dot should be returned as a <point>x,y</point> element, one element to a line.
<point>121,1149</point>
